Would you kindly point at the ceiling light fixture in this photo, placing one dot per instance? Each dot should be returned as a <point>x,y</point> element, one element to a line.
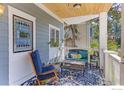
<point>1,9</point>
<point>77,5</point>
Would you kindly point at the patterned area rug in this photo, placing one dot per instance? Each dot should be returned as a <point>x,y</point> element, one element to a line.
<point>88,76</point>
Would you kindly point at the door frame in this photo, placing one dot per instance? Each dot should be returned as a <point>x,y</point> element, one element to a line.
<point>53,48</point>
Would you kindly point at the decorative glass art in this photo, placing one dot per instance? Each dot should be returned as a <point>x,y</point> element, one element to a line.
<point>22,34</point>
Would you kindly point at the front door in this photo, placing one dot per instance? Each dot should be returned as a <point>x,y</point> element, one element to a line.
<point>54,40</point>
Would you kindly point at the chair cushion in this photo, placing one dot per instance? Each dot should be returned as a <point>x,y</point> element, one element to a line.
<point>47,68</point>
<point>73,55</point>
<point>84,54</point>
<point>47,76</point>
<point>71,52</point>
<point>37,61</point>
<point>73,59</point>
<point>79,56</point>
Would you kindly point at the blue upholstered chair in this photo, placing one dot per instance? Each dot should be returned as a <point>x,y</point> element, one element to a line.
<point>43,73</point>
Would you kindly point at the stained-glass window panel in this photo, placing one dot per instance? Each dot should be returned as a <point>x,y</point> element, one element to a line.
<point>22,34</point>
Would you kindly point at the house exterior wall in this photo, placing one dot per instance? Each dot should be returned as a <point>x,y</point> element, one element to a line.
<point>82,43</point>
<point>83,39</point>
<point>42,27</point>
<point>42,38</point>
<point>4,57</point>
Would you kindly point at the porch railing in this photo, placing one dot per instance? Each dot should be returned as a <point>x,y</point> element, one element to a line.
<point>112,68</point>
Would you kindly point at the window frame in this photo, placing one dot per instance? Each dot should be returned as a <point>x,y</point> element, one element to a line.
<point>55,29</point>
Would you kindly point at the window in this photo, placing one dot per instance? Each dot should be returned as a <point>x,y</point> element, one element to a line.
<point>54,36</point>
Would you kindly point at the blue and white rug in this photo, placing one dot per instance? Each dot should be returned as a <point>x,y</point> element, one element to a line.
<point>88,76</point>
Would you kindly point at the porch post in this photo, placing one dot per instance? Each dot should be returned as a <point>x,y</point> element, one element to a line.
<point>122,33</point>
<point>88,40</point>
<point>122,47</point>
<point>102,37</point>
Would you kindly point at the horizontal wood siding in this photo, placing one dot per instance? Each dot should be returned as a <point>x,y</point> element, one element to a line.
<point>42,27</point>
<point>4,57</point>
<point>42,35</point>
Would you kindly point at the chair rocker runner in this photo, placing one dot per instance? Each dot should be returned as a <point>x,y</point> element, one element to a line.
<point>44,74</point>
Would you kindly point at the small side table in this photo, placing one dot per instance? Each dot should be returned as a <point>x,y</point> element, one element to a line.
<point>94,62</point>
<point>75,65</point>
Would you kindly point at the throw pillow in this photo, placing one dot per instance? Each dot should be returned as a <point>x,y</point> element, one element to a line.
<point>73,55</point>
<point>79,56</point>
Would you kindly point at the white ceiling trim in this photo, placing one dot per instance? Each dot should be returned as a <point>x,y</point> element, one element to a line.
<point>79,19</point>
<point>48,11</point>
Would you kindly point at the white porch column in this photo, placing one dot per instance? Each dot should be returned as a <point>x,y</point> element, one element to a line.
<point>122,33</point>
<point>122,47</point>
<point>88,40</point>
<point>102,36</point>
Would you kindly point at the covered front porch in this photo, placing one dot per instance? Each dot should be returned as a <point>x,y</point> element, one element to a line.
<point>48,22</point>
<point>107,70</point>
<point>109,62</point>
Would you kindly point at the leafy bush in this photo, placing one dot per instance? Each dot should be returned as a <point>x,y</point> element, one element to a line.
<point>112,45</point>
<point>54,43</point>
<point>94,43</point>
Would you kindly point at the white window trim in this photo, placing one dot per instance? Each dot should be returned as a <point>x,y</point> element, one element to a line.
<point>54,27</point>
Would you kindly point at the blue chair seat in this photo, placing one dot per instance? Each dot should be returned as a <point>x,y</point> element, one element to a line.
<point>48,68</point>
<point>47,76</point>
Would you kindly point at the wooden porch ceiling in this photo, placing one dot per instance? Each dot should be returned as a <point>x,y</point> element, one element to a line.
<point>66,10</point>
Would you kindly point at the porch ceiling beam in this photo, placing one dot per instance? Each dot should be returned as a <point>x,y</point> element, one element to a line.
<point>79,19</point>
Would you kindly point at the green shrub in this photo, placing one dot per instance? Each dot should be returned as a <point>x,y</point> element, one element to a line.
<point>54,43</point>
<point>112,45</point>
<point>94,43</point>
